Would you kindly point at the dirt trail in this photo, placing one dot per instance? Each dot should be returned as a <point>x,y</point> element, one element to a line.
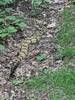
<point>31,66</point>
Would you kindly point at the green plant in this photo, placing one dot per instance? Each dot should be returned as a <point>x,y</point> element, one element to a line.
<point>16,82</point>
<point>60,83</point>
<point>37,6</point>
<point>66,36</point>
<point>40,57</point>
<point>9,22</point>
<point>36,3</point>
<point>2,47</point>
<point>4,2</point>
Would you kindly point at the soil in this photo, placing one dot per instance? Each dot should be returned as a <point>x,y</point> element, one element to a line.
<point>48,15</point>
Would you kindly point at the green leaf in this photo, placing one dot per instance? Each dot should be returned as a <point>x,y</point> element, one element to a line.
<point>16,82</point>
<point>9,10</point>
<point>11,29</point>
<point>1,19</point>
<point>3,35</point>
<point>3,2</point>
<point>36,3</point>
<point>2,47</point>
<point>22,25</point>
<point>41,57</point>
<point>17,21</point>
<point>12,18</point>
<point>49,1</point>
<point>1,31</point>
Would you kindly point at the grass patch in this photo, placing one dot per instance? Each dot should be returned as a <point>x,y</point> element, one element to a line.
<point>61,82</point>
<point>66,36</point>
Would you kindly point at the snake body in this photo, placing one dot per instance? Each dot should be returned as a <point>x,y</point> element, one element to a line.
<point>24,45</point>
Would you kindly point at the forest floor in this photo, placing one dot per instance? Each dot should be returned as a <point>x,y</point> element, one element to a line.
<point>40,75</point>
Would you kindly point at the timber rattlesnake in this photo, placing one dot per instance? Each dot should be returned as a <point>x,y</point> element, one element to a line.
<point>24,45</point>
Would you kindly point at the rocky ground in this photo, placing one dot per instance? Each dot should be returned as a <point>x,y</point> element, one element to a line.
<point>31,66</point>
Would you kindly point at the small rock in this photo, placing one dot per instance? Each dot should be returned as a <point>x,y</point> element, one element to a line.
<point>58,1</point>
<point>49,35</point>
<point>2,81</point>
<point>2,59</point>
<point>44,14</point>
<point>28,74</point>
<point>44,23</point>
<point>59,61</point>
<point>52,25</point>
<point>0,65</point>
<point>34,63</point>
<point>39,21</point>
<point>33,40</point>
